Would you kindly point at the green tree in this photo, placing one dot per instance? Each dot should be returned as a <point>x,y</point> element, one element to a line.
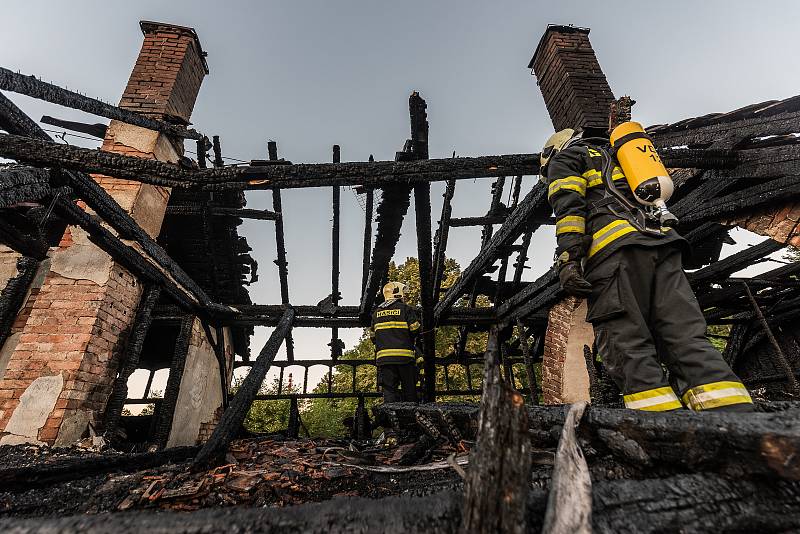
<point>273,415</point>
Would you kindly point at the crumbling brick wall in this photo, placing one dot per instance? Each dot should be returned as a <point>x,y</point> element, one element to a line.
<point>60,373</point>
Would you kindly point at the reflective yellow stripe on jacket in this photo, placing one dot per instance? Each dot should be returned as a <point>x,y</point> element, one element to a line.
<point>608,234</point>
<point>391,324</point>
<point>716,394</point>
<point>595,178</point>
<point>395,352</point>
<point>653,400</point>
<point>571,183</point>
<point>571,223</point>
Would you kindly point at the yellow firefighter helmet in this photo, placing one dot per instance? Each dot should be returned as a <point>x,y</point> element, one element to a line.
<point>552,146</point>
<point>394,290</point>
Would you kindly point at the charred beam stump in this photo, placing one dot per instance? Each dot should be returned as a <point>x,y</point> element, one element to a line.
<point>498,478</point>
<point>234,416</point>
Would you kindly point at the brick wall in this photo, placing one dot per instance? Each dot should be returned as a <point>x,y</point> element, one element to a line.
<point>60,373</point>
<point>573,85</point>
<point>781,223</point>
<point>564,376</point>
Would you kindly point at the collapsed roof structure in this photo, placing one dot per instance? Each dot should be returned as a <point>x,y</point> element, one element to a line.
<point>128,257</point>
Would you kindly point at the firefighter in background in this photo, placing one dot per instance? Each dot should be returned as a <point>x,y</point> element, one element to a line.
<point>394,329</point>
<point>621,255</point>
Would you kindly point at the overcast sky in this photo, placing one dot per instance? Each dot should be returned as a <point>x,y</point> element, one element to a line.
<point>310,74</point>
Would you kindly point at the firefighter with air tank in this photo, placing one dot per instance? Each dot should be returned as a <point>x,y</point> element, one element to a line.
<point>394,329</point>
<point>617,248</point>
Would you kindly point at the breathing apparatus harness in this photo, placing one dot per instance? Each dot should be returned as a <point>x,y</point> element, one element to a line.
<point>647,219</point>
<point>644,218</point>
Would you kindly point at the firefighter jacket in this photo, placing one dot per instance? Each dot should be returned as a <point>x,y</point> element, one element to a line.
<point>394,327</point>
<point>585,228</point>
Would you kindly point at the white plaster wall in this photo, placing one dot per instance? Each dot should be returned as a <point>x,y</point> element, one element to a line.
<point>575,380</point>
<point>200,392</point>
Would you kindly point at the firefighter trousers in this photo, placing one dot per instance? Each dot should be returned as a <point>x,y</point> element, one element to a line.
<point>393,376</point>
<point>646,317</point>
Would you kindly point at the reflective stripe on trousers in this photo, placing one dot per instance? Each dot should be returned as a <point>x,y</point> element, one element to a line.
<point>715,395</point>
<point>653,400</point>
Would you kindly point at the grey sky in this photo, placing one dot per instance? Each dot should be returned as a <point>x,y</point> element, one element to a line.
<point>311,74</point>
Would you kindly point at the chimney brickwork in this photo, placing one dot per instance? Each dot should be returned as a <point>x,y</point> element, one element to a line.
<point>576,94</point>
<point>60,373</point>
<point>573,85</point>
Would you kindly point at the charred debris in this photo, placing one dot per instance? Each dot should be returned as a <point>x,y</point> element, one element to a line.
<point>507,464</point>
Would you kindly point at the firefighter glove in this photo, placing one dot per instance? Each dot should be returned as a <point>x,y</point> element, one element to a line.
<point>570,274</point>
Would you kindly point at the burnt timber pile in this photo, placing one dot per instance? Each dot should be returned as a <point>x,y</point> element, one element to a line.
<point>128,257</point>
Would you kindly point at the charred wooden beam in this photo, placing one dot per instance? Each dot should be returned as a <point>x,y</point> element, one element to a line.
<point>130,358</point>
<point>280,245</point>
<point>218,211</point>
<point>395,200</point>
<point>759,120</point>
<point>367,248</point>
<point>132,260</point>
<point>763,194</point>
<point>724,268</point>
<point>95,130</point>
<point>166,409</point>
<point>336,343</point>
<point>533,204</point>
<point>156,172</point>
<point>752,444</point>
<point>234,415</point>
<point>440,240</point>
<point>15,293</point>
<point>35,88</point>
<point>14,121</point>
<point>702,502</point>
<point>778,357</point>
<point>422,208</point>
<point>49,473</point>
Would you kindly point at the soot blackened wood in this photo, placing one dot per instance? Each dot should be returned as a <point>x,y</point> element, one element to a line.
<point>25,478</point>
<point>686,503</point>
<point>166,409</point>
<point>31,86</point>
<point>280,244</point>
<point>391,211</point>
<point>515,225</point>
<point>130,359</point>
<point>754,444</point>
<point>498,479</point>
<point>234,416</point>
<point>14,294</point>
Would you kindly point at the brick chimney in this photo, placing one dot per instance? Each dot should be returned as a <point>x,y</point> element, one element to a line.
<point>574,87</point>
<point>64,354</point>
<point>576,94</point>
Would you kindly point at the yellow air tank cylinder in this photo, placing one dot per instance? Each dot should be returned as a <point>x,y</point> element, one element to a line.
<point>647,177</point>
